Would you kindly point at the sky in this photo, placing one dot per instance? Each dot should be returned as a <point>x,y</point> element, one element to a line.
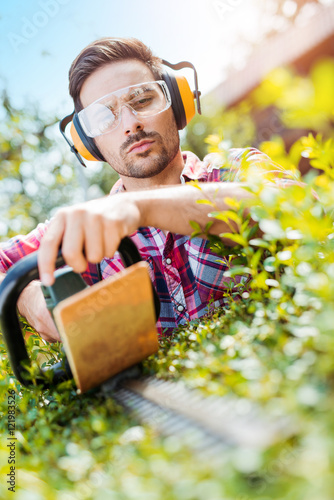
<point>40,38</point>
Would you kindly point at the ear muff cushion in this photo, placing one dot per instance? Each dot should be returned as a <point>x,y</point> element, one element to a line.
<point>187,98</point>
<point>183,104</point>
<point>85,145</point>
<point>177,106</point>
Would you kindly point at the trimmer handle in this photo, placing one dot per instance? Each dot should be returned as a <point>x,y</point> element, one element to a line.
<point>16,279</point>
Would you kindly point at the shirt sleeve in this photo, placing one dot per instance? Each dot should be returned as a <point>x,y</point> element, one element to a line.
<point>15,248</point>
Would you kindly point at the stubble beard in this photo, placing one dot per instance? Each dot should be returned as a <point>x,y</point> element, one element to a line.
<point>150,163</point>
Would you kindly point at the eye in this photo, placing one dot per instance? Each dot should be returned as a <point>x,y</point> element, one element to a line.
<point>141,102</point>
<point>145,99</point>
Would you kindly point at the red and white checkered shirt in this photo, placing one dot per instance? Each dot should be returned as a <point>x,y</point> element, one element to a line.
<point>185,272</point>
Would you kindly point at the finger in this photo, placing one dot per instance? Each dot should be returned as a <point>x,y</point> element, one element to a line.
<point>74,240</point>
<point>113,232</point>
<point>94,238</point>
<point>48,249</point>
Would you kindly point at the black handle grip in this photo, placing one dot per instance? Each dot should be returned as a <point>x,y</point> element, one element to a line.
<point>16,279</point>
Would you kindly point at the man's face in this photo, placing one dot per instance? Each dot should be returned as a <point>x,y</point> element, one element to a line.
<point>140,147</point>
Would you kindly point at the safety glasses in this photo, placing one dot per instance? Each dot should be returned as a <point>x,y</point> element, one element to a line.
<point>143,99</point>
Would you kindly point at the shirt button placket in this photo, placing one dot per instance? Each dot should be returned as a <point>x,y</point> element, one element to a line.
<point>176,298</point>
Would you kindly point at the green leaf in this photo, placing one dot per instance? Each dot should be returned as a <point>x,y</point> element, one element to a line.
<point>226,216</point>
<point>196,226</point>
<point>205,202</point>
<point>195,184</point>
<point>208,225</point>
<point>257,242</point>
<point>241,260</point>
<point>256,259</point>
<point>237,238</point>
<point>270,264</point>
<point>238,271</point>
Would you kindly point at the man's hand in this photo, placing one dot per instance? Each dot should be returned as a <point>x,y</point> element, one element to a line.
<point>87,232</point>
<point>32,306</point>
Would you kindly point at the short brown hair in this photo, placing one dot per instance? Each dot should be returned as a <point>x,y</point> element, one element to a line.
<point>104,51</point>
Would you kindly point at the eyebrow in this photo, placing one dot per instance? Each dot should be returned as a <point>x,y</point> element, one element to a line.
<point>136,92</point>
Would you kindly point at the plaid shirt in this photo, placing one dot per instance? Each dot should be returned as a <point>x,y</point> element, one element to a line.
<point>184,271</point>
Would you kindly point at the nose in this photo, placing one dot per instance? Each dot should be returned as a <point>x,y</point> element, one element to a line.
<point>130,122</point>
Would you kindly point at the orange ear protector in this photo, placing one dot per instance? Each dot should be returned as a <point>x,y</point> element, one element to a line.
<point>183,107</point>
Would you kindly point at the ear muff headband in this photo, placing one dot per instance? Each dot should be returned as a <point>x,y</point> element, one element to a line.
<point>182,97</point>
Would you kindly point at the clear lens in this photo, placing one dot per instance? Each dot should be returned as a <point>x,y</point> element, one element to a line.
<point>144,99</point>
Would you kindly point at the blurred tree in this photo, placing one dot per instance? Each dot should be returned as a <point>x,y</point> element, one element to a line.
<point>37,171</point>
<point>235,126</point>
<point>281,109</point>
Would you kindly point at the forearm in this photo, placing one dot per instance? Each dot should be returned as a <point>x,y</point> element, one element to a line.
<point>172,208</point>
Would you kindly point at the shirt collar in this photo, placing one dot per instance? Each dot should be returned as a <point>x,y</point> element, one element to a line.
<point>194,169</point>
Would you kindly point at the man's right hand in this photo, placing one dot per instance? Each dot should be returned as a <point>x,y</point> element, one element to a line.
<point>32,306</point>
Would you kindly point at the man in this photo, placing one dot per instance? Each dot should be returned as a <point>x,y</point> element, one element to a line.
<point>153,201</point>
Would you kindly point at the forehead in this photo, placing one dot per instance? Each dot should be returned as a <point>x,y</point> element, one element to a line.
<point>114,76</point>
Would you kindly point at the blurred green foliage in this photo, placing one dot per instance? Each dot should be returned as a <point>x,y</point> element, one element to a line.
<point>273,344</point>
<point>37,171</point>
<point>283,102</point>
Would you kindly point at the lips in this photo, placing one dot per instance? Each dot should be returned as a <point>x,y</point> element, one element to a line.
<point>140,147</point>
